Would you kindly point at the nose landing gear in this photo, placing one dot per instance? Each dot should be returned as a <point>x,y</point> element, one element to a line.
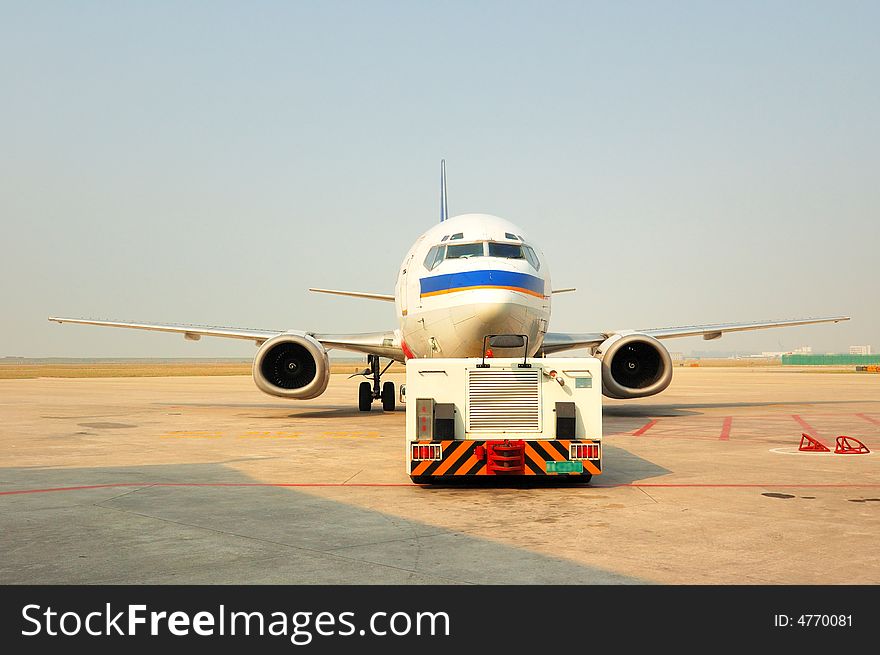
<point>367,392</point>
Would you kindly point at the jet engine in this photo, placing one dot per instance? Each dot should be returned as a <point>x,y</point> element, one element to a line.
<point>634,366</point>
<point>292,366</point>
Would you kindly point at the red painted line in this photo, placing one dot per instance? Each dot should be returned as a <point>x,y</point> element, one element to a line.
<point>636,485</point>
<point>91,486</point>
<point>725,428</point>
<point>698,485</point>
<point>206,484</point>
<point>676,436</point>
<point>647,426</point>
<point>806,426</point>
<point>809,429</point>
<point>869,419</point>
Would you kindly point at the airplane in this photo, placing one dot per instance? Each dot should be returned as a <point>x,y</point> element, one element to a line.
<point>467,277</point>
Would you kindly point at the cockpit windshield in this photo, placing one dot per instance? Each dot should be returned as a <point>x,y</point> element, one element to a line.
<point>464,250</point>
<point>442,251</point>
<point>506,250</point>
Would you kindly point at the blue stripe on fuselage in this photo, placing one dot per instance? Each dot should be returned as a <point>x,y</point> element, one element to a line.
<point>465,279</point>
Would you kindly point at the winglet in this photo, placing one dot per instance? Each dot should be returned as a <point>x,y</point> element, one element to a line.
<point>444,209</point>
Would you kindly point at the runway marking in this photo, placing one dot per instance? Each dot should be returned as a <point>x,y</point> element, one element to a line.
<point>794,450</point>
<point>664,436</point>
<point>270,435</point>
<point>257,434</point>
<point>869,419</point>
<point>347,434</point>
<point>810,430</point>
<point>191,434</point>
<point>782,485</point>
<point>752,417</point>
<point>806,426</point>
<point>725,428</point>
<point>146,485</point>
<point>634,485</point>
<point>647,426</point>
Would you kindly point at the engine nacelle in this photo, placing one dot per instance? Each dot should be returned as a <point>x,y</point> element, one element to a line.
<point>292,366</point>
<point>634,366</point>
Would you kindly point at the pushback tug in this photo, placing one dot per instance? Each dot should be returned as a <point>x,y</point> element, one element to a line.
<point>506,417</point>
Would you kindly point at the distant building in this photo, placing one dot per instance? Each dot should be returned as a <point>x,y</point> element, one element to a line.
<point>803,350</point>
<point>860,350</point>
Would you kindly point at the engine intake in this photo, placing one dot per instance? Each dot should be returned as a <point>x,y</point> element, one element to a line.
<point>292,366</point>
<point>634,366</point>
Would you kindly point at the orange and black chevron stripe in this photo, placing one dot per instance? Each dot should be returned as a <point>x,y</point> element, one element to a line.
<point>459,458</point>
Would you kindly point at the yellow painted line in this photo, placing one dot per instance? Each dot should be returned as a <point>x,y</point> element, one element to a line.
<point>270,435</point>
<point>191,435</point>
<point>345,434</point>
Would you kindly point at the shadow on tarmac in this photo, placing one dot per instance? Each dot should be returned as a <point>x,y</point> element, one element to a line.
<point>221,526</point>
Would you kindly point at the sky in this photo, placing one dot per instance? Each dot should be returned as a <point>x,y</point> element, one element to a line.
<point>207,162</point>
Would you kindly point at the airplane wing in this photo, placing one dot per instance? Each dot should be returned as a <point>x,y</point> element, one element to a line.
<point>357,294</point>
<point>555,342</point>
<point>384,344</point>
<point>710,332</point>
<point>559,341</point>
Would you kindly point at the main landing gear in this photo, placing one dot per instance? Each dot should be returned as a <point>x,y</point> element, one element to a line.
<point>367,392</point>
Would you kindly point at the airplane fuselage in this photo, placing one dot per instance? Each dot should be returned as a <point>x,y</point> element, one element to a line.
<point>467,277</point>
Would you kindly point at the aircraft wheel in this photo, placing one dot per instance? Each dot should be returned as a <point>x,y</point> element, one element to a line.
<point>365,397</point>
<point>388,397</point>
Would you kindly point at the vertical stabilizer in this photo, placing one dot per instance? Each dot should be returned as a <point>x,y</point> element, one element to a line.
<point>444,209</point>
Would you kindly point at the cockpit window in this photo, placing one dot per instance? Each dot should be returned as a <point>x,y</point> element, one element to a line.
<point>444,238</point>
<point>508,235</point>
<point>464,250</point>
<point>532,257</point>
<point>431,257</point>
<point>456,236</point>
<point>506,250</point>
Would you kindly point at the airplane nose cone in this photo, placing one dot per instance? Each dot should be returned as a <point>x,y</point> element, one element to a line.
<point>494,317</point>
<point>502,316</point>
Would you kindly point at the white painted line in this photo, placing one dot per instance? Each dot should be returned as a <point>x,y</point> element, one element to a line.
<point>793,450</point>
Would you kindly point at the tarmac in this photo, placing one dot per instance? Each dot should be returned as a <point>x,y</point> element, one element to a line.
<point>206,480</point>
